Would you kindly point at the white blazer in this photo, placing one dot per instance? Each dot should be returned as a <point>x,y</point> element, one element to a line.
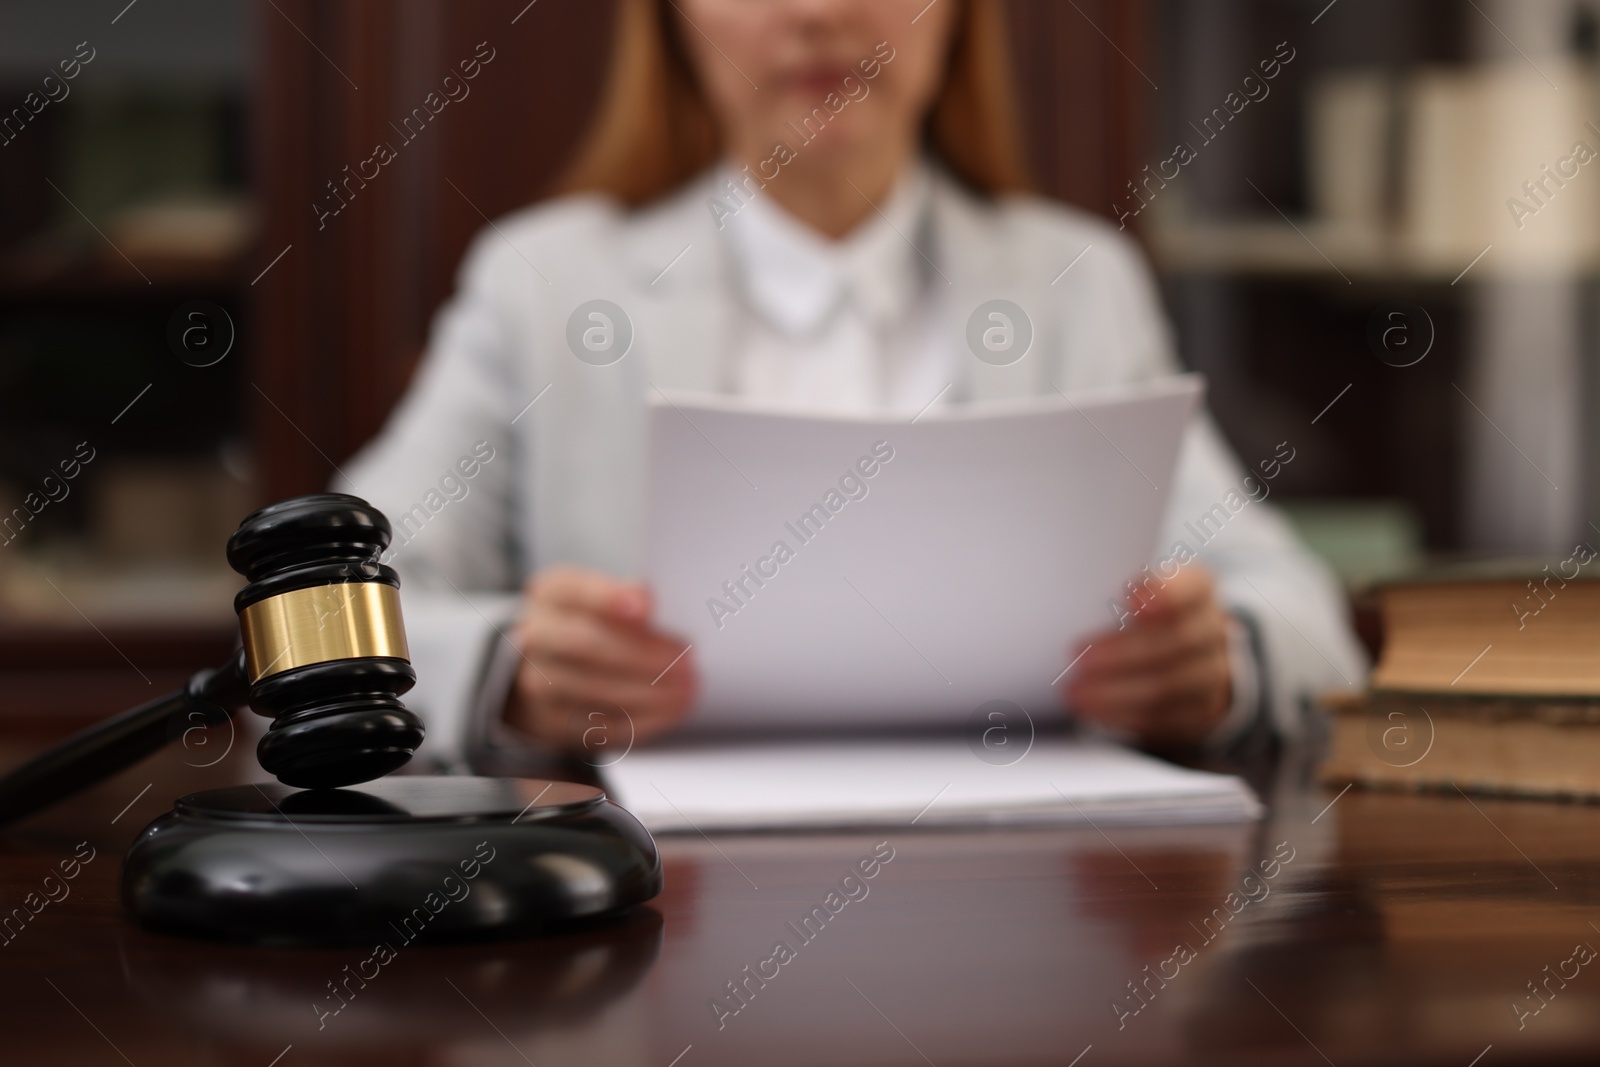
<point>564,477</point>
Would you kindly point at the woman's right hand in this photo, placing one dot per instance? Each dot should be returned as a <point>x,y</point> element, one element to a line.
<point>592,660</point>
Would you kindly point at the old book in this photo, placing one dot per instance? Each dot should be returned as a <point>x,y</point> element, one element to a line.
<point>1484,632</point>
<point>1511,746</point>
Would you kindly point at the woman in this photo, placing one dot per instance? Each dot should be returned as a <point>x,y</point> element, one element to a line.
<point>801,201</point>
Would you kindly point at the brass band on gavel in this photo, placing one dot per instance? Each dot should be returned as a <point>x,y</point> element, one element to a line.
<point>348,620</point>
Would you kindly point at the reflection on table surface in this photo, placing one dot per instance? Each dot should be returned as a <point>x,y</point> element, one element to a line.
<point>1382,929</point>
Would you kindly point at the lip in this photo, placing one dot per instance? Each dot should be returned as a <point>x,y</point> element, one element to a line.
<point>820,78</point>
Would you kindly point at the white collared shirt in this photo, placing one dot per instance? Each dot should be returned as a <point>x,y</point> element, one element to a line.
<point>848,326</point>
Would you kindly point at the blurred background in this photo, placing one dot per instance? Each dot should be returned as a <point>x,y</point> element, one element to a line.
<point>1383,255</point>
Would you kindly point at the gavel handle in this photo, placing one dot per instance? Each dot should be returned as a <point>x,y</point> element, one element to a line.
<point>102,750</point>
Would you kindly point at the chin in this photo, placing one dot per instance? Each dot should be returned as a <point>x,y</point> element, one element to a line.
<point>840,139</point>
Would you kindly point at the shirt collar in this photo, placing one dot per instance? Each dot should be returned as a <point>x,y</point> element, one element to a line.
<point>798,279</point>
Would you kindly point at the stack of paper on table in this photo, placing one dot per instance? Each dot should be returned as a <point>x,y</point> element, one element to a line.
<point>868,572</point>
<point>926,781</point>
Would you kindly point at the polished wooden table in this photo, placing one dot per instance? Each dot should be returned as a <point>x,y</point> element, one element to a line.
<point>1382,930</point>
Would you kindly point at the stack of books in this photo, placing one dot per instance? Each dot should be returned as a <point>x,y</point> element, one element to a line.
<point>1487,682</point>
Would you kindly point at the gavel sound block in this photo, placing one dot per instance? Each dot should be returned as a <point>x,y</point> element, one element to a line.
<point>319,857</point>
<point>394,861</point>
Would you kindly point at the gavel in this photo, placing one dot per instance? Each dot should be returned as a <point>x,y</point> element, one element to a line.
<point>323,654</point>
<point>315,860</point>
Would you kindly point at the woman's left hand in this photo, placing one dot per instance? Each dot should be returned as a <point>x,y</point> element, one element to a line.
<point>1164,677</point>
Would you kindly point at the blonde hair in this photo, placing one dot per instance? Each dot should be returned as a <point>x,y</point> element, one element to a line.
<point>654,129</point>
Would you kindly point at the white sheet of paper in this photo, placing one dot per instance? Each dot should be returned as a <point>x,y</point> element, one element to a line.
<point>925,781</point>
<point>959,572</point>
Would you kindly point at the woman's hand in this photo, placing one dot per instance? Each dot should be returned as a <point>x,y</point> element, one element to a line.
<point>1165,676</point>
<point>591,659</point>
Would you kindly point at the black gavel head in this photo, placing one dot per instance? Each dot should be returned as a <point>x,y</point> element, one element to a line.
<point>324,644</point>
